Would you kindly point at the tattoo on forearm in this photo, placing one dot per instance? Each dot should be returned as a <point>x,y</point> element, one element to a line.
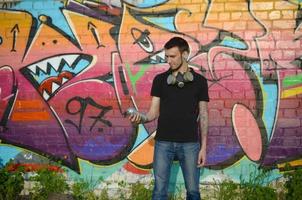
<point>203,117</point>
<point>204,124</point>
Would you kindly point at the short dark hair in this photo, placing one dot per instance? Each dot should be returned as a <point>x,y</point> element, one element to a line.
<point>179,42</point>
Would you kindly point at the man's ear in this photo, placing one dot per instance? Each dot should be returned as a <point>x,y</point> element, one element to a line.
<point>185,55</point>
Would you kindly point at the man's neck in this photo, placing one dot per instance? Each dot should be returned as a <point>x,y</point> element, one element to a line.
<point>184,68</point>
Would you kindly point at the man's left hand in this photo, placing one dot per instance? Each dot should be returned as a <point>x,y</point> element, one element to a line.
<point>201,158</point>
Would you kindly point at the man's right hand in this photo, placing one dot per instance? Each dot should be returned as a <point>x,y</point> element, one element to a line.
<point>135,118</point>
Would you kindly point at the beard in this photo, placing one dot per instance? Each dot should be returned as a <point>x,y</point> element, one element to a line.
<point>177,67</point>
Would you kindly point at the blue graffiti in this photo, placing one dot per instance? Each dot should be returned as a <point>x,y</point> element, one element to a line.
<point>47,7</point>
<point>146,4</point>
<point>232,42</point>
<point>164,22</point>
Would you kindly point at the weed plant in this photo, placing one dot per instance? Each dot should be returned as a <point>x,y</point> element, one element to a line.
<point>138,191</point>
<point>253,188</point>
<point>48,182</point>
<point>256,186</point>
<point>84,190</point>
<point>11,183</point>
<point>293,184</point>
<point>226,190</point>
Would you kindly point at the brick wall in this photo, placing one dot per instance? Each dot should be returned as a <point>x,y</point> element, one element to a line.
<point>68,72</point>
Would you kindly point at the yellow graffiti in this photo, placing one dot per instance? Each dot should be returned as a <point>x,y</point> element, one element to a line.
<point>294,163</point>
<point>15,28</point>
<point>291,92</point>
<point>90,32</point>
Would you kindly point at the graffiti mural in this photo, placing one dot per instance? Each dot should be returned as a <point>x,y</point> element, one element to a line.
<point>4,4</point>
<point>68,73</point>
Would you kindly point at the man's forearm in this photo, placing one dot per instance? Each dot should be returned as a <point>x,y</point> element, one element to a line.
<point>153,112</point>
<point>204,130</point>
<point>149,117</point>
<point>204,123</point>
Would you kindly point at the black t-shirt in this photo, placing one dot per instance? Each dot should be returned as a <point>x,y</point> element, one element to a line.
<point>179,107</point>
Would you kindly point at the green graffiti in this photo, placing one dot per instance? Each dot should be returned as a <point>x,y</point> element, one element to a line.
<point>135,77</point>
<point>292,80</point>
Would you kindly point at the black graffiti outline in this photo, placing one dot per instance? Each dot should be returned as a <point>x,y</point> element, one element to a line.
<point>15,30</point>
<point>84,102</point>
<point>95,34</point>
<point>8,5</point>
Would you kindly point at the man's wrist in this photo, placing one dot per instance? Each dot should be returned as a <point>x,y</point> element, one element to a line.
<point>144,118</point>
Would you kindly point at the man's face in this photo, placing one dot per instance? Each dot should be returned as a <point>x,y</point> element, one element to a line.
<point>173,57</point>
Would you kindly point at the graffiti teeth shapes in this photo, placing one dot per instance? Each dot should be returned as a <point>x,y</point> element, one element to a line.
<point>48,75</point>
<point>94,127</point>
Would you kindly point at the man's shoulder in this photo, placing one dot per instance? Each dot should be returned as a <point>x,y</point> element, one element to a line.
<point>162,75</point>
<point>198,74</point>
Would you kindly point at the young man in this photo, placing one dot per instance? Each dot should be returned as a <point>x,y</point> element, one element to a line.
<point>179,99</point>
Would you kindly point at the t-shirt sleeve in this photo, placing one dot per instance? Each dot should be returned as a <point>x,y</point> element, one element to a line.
<point>204,93</point>
<point>156,87</point>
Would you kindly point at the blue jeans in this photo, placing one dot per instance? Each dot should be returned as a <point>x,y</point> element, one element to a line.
<point>187,154</point>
